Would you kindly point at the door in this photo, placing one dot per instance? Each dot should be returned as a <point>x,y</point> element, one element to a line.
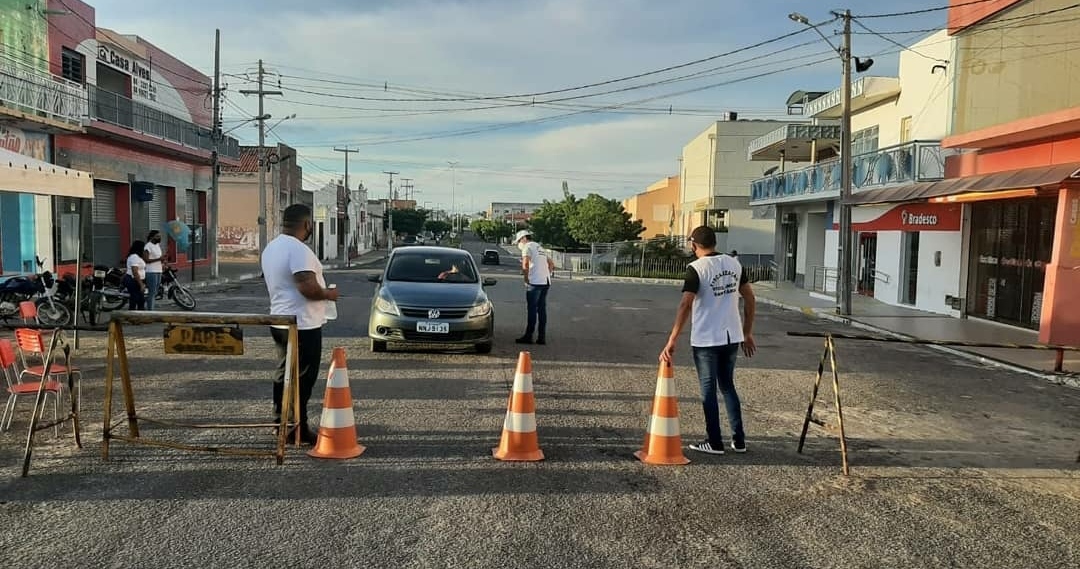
<point>911,268</point>
<point>867,263</point>
<point>791,246</point>
<point>107,248</point>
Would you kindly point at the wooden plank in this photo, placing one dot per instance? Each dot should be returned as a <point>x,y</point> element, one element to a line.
<point>141,317</point>
<point>204,340</point>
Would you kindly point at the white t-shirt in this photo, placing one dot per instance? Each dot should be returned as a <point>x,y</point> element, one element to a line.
<point>136,261</point>
<point>538,266</point>
<point>153,251</point>
<point>715,281</point>
<point>284,257</point>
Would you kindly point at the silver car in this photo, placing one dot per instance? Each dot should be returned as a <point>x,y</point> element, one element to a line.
<point>431,295</point>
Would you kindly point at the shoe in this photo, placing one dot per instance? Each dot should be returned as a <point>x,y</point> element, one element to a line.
<point>738,446</point>
<point>707,448</point>
<point>523,340</point>
<point>541,341</point>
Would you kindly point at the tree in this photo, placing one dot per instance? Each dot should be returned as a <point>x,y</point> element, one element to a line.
<point>550,223</point>
<point>407,221</point>
<point>437,226</point>
<point>597,219</point>
<point>489,230</point>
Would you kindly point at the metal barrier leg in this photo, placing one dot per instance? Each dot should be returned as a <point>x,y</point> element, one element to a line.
<point>1059,361</point>
<point>125,383</point>
<point>39,403</point>
<point>110,358</point>
<point>813,395</point>
<point>839,409</point>
<point>75,392</point>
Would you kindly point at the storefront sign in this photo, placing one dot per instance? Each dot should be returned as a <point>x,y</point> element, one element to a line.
<point>32,144</point>
<point>914,217</point>
<point>142,83</point>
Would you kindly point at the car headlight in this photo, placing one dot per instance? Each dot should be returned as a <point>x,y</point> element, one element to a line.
<point>480,310</point>
<point>387,305</point>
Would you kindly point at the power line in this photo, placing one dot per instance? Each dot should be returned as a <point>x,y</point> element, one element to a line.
<point>924,11</point>
<point>991,27</point>
<point>896,43</point>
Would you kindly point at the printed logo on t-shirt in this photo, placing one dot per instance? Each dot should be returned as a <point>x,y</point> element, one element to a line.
<point>724,282</point>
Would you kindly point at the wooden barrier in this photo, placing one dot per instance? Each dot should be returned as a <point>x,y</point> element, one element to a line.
<point>196,333</point>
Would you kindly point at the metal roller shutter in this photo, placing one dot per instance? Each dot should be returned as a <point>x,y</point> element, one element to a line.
<point>104,203</point>
<point>158,208</point>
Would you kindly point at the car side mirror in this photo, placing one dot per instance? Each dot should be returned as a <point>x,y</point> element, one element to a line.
<point>490,282</point>
<point>375,278</point>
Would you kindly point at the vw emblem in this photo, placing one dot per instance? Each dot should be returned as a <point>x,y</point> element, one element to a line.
<point>433,313</point>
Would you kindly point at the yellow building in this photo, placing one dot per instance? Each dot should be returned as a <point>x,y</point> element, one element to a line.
<point>656,208</point>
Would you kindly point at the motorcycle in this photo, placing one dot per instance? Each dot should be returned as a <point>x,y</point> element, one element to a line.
<point>42,290</point>
<point>171,288</point>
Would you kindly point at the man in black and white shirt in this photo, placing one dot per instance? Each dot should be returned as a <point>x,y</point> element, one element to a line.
<point>711,293</point>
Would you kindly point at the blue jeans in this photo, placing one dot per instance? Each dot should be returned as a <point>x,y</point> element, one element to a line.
<point>153,283</point>
<point>716,370</point>
<point>536,299</point>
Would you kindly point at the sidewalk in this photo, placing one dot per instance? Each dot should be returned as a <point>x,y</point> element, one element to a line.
<point>909,323</point>
<point>232,271</point>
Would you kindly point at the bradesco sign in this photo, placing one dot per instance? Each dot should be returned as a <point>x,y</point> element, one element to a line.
<point>913,217</point>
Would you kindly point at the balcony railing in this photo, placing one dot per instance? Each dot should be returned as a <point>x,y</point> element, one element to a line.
<point>121,111</point>
<point>919,161</point>
<point>39,93</point>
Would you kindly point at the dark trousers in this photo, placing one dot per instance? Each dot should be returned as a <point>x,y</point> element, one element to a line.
<point>310,348</point>
<point>536,300</point>
<point>716,373</point>
<point>136,298</point>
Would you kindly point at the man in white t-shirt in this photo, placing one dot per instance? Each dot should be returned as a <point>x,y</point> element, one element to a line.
<point>536,266</point>
<point>294,279</point>
<point>711,293</point>
<point>153,267</point>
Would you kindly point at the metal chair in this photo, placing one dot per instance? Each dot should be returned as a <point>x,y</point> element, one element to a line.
<point>15,388</point>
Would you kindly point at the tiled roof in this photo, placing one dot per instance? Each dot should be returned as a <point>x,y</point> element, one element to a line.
<point>249,161</point>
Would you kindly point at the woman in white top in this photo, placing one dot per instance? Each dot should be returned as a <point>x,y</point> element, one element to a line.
<point>135,280</point>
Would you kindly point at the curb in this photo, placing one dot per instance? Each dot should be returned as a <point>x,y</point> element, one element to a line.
<point>1059,379</point>
<point>252,276</point>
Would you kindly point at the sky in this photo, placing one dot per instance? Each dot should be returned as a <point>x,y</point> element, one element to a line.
<point>338,61</point>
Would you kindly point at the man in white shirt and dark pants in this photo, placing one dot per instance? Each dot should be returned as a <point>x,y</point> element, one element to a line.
<point>153,267</point>
<point>537,270</point>
<point>716,332</point>
<point>294,279</point>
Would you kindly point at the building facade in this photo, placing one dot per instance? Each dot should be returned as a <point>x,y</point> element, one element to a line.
<point>906,253</point>
<point>238,216</point>
<point>147,137</point>
<point>713,187</point>
<point>1016,126</point>
<point>656,208</point>
<point>517,213</point>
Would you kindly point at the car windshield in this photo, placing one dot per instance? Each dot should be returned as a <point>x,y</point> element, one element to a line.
<point>431,268</point>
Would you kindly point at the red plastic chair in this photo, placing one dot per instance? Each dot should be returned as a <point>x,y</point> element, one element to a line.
<point>32,347</point>
<point>15,389</point>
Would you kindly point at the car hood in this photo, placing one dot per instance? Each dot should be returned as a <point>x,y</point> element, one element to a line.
<point>433,295</point>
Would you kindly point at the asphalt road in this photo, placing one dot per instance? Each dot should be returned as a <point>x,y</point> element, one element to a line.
<point>953,464</point>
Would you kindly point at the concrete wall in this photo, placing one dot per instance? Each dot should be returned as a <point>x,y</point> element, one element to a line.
<point>238,228</point>
<point>654,207</point>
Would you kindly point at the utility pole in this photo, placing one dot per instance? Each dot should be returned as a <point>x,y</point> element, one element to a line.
<point>262,93</point>
<point>406,185</point>
<point>847,254</point>
<point>390,214</point>
<point>215,138</point>
<point>348,198</point>
<point>453,189</point>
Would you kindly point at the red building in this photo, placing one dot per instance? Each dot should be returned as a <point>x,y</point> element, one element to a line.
<point>1016,121</point>
<point>148,136</point>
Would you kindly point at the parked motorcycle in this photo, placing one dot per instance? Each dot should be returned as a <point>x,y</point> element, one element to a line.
<point>171,288</point>
<point>42,290</point>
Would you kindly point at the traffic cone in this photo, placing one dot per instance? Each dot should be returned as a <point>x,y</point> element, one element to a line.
<point>519,440</point>
<point>663,444</point>
<point>337,430</point>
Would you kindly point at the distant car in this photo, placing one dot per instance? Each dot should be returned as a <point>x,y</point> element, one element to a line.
<point>491,257</point>
<point>431,295</point>
<point>409,240</point>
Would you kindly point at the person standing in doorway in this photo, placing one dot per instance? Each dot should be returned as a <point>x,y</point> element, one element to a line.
<point>537,268</point>
<point>135,277</point>
<point>294,279</point>
<point>153,267</point>
<point>716,332</point>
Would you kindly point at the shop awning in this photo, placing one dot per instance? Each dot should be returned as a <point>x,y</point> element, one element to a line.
<point>1026,179</point>
<point>19,173</point>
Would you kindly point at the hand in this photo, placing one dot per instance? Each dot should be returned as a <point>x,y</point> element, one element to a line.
<point>749,347</point>
<point>668,353</point>
<point>331,294</point>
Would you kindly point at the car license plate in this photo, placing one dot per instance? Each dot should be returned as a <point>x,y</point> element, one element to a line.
<point>433,327</point>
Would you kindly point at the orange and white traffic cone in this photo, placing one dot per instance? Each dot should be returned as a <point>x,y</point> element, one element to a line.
<point>519,441</point>
<point>663,444</point>
<point>337,430</point>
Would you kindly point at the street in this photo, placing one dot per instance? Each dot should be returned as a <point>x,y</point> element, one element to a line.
<point>953,464</point>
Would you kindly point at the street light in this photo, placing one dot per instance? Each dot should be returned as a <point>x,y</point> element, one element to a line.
<point>845,279</point>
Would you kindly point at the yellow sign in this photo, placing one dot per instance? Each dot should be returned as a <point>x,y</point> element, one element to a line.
<point>207,340</point>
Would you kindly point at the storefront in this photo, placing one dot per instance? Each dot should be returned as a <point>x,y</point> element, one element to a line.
<point>1012,244</point>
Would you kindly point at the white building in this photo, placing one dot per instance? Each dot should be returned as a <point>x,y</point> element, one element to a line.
<point>713,187</point>
<point>906,254</point>
<point>342,222</point>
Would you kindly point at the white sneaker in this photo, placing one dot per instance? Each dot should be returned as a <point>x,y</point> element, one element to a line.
<point>707,448</point>
<point>737,449</point>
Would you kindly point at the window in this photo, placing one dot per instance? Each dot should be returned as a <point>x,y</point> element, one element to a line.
<point>905,129</point>
<point>74,65</point>
<point>716,219</point>
<point>865,140</point>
